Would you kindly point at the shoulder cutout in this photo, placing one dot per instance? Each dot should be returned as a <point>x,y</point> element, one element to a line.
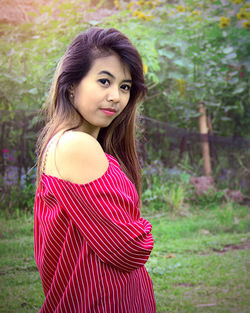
<point>78,158</point>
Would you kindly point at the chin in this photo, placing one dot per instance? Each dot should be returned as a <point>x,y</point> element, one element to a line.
<point>105,124</point>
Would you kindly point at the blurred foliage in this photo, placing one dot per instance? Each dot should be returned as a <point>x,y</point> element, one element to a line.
<point>201,60</point>
<point>193,53</point>
<point>18,198</point>
<point>31,50</point>
<point>169,190</point>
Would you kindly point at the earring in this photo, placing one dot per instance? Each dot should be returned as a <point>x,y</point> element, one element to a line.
<point>71,98</point>
<point>71,93</point>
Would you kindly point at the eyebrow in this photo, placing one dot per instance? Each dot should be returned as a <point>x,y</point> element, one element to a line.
<point>111,75</point>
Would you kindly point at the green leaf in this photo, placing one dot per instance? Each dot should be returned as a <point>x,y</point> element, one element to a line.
<point>179,62</point>
<point>234,73</point>
<point>229,108</point>
<point>94,23</point>
<point>33,91</point>
<point>175,75</point>
<point>168,54</point>
<point>213,104</point>
<point>233,81</point>
<point>199,85</point>
<point>238,90</point>
<point>231,56</point>
<point>228,50</point>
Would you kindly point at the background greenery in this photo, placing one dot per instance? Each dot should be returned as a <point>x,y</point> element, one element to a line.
<point>193,52</point>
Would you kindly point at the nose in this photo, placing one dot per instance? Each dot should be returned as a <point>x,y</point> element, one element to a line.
<point>113,94</point>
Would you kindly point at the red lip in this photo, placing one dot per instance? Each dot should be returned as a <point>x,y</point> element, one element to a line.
<point>108,111</point>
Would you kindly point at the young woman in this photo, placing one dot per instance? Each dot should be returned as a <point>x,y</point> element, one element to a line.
<point>90,242</point>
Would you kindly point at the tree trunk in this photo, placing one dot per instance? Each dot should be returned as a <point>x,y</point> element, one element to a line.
<point>204,141</point>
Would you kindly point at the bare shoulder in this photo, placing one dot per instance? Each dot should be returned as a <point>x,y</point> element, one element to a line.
<point>78,142</point>
<point>79,158</point>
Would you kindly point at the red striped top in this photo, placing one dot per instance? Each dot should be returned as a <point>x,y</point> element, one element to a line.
<point>91,245</point>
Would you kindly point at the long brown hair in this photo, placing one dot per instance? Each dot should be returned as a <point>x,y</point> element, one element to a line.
<point>119,138</point>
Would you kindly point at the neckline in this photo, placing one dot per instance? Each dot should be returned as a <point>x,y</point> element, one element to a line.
<point>109,157</point>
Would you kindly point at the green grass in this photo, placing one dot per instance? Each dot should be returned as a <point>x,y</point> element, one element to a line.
<point>200,277</point>
<point>20,285</point>
<point>190,267</point>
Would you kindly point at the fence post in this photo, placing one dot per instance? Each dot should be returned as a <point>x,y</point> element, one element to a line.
<point>204,141</point>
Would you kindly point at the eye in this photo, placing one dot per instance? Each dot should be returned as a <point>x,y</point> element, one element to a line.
<point>104,81</point>
<point>125,87</point>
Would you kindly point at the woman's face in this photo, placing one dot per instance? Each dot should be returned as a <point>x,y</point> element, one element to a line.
<point>103,93</point>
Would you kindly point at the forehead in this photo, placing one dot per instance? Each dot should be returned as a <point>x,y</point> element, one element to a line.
<point>113,64</point>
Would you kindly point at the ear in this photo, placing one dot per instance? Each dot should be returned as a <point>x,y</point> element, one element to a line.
<point>71,88</point>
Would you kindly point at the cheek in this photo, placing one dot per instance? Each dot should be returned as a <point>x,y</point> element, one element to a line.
<point>84,93</point>
<point>83,97</point>
<point>124,105</point>
<point>125,100</point>
<point>77,97</point>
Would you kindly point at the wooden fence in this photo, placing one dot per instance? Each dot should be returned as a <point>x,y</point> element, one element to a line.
<point>172,146</point>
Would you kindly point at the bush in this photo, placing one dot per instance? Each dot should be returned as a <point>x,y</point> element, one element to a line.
<point>17,198</point>
<point>165,189</point>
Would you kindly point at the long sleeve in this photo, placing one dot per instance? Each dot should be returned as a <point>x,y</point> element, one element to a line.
<point>90,245</point>
<point>106,213</point>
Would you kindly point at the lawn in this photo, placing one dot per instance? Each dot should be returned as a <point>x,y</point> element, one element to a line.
<point>200,262</point>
